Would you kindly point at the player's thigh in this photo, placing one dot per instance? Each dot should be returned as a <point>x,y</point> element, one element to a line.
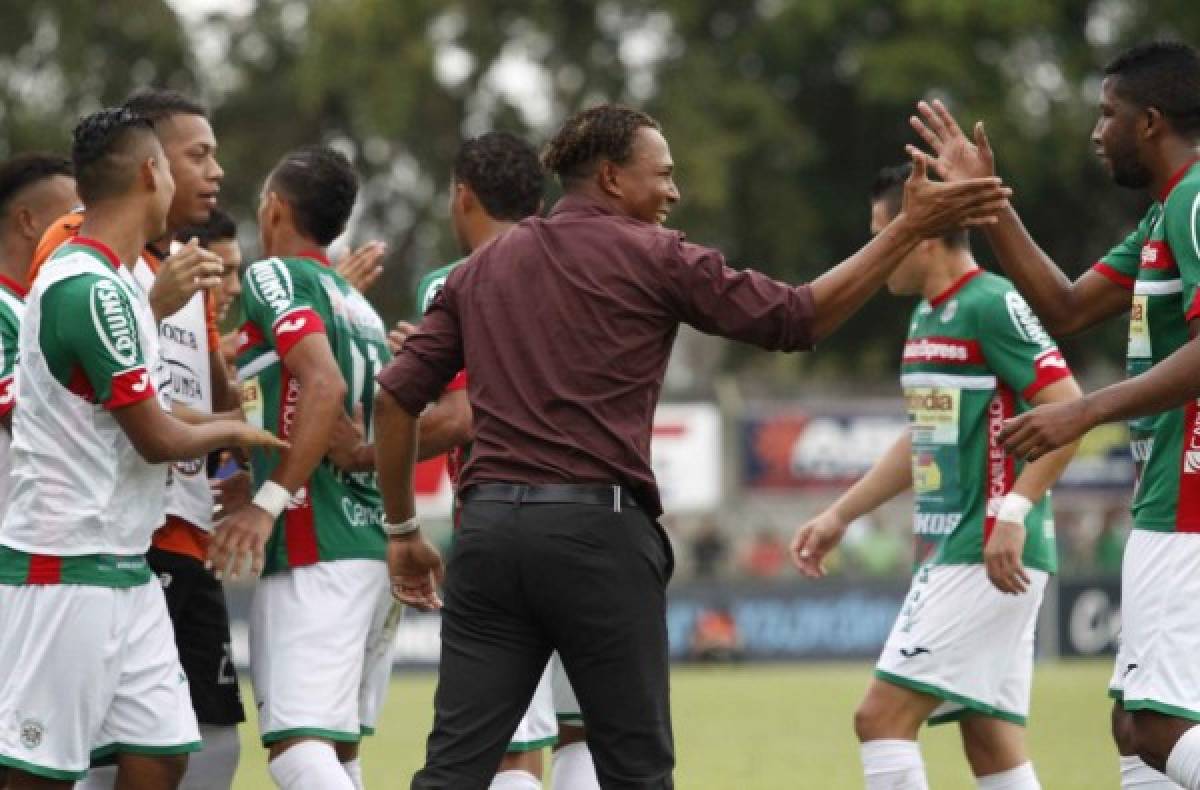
<point>151,712</point>
<point>59,651</point>
<point>992,745</point>
<point>308,641</point>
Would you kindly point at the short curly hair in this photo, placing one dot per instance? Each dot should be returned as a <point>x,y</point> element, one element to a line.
<point>504,173</point>
<point>25,170</point>
<point>1164,75</point>
<point>321,185</point>
<point>606,131</point>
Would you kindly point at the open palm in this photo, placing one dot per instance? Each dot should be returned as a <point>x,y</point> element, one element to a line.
<point>957,157</point>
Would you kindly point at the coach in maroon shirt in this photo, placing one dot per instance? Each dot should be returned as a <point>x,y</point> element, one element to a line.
<point>566,324</point>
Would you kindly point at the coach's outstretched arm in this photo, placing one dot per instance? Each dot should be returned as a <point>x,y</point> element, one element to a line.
<point>930,209</point>
<point>1065,307</point>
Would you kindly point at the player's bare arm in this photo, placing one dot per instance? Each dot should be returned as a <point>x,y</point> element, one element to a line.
<point>181,275</point>
<point>1002,555</point>
<point>160,437</point>
<point>322,391</point>
<point>1065,307</point>
<point>446,424</point>
<point>891,475</point>
<point>414,564</point>
<point>929,209</point>
<point>1168,385</point>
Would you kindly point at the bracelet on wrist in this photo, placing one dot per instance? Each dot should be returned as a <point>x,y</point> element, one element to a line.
<point>406,527</point>
<point>272,498</point>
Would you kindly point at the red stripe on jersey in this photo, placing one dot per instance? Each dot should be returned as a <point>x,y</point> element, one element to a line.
<point>1048,367</point>
<point>955,287</point>
<point>1109,273</point>
<point>459,382</point>
<point>943,350</point>
<point>8,396</point>
<point>290,328</point>
<point>1158,256</point>
<point>44,569</point>
<point>130,387</point>
<point>79,385</point>
<point>249,336</point>
<point>1187,514</point>
<point>299,528</point>
<point>1194,309</point>
<point>1001,469</point>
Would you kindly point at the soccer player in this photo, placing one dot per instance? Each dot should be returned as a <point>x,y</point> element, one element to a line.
<point>89,664</point>
<point>311,349</point>
<point>1147,136</point>
<point>962,647</point>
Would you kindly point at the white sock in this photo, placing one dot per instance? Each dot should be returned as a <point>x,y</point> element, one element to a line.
<point>102,778</point>
<point>893,765</point>
<point>515,780</point>
<point>1183,764</point>
<point>309,765</point>
<point>1136,774</point>
<point>353,769</point>
<point>1020,778</point>
<point>573,769</point>
<point>213,767</point>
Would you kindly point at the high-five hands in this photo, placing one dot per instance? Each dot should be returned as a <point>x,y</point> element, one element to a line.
<point>956,157</point>
<point>933,208</point>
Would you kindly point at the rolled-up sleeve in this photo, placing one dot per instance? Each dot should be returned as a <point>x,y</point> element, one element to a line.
<point>429,359</point>
<point>741,305</point>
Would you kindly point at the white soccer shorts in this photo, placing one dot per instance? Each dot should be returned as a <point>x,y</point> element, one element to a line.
<point>319,649</point>
<point>960,639</point>
<point>566,705</point>
<point>86,673</point>
<point>1156,667</point>
<point>538,727</point>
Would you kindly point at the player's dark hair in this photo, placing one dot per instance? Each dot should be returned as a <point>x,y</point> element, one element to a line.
<point>100,146</point>
<point>504,173</point>
<point>320,185</point>
<point>25,170</point>
<point>157,105</point>
<point>888,188</point>
<point>219,227</point>
<point>603,132</point>
<point>1164,75</point>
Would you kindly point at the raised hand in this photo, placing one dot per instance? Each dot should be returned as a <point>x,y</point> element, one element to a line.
<point>416,569</point>
<point>1044,429</point>
<point>956,157</point>
<point>181,275</point>
<point>933,208</point>
<point>362,268</point>
<point>814,540</point>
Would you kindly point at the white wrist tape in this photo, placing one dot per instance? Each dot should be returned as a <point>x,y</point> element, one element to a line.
<point>407,527</point>
<point>272,498</point>
<point>1014,508</point>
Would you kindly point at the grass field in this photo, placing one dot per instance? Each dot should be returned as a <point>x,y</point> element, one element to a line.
<point>782,728</point>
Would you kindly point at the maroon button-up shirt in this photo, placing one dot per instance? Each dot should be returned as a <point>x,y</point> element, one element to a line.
<point>565,325</point>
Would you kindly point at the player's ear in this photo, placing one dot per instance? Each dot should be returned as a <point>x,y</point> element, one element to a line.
<point>25,224</point>
<point>1152,123</point>
<point>466,197</point>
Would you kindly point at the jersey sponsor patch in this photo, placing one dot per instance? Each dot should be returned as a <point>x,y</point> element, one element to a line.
<point>129,387</point>
<point>946,350</point>
<point>272,285</point>
<point>114,322</point>
<point>1025,321</point>
<point>1157,255</point>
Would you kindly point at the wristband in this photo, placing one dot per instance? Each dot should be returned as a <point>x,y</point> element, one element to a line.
<point>272,498</point>
<point>1014,508</point>
<point>406,527</point>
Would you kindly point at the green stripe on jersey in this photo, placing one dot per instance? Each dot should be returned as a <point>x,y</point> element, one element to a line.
<point>93,570</point>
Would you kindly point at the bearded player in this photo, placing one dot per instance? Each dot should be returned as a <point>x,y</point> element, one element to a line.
<point>1148,136</point>
<point>90,667</point>
<point>962,647</point>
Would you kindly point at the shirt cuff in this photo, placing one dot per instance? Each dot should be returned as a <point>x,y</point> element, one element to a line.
<point>129,387</point>
<point>402,382</point>
<point>1112,275</point>
<point>1048,367</point>
<point>292,327</point>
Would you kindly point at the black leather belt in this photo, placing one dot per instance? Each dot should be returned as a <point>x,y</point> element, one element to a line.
<point>613,496</point>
